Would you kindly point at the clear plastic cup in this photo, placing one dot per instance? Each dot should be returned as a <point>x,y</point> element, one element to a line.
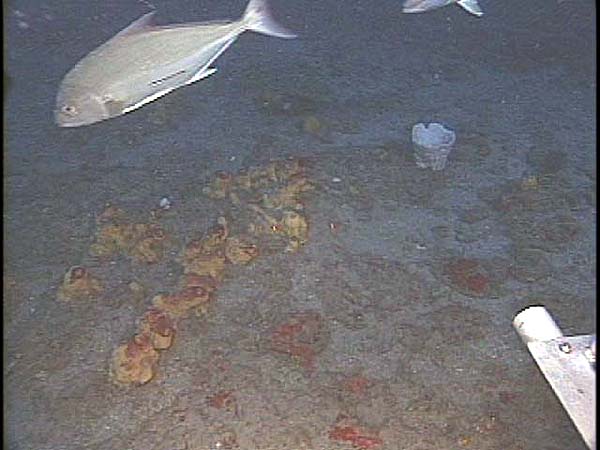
<point>432,144</point>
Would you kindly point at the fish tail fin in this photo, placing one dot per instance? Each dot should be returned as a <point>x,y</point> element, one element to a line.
<point>471,6</point>
<point>257,17</point>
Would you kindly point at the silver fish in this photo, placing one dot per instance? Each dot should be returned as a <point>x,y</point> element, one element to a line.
<point>416,6</point>
<point>144,62</point>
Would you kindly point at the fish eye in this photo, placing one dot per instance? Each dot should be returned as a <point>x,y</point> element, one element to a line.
<point>69,110</point>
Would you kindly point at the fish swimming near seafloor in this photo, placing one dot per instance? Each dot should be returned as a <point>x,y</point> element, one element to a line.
<point>144,62</point>
<point>416,6</point>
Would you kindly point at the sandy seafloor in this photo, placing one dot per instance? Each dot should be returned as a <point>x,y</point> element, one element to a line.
<point>408,354</point>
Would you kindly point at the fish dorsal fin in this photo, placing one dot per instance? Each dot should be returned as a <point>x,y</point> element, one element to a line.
<point>137,25</point>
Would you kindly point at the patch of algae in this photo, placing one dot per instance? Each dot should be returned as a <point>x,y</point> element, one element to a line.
<point>273,194</point>
<point>270,208</point>
<point>143,242</point>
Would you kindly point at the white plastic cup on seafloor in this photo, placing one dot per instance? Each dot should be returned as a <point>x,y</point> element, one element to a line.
<point>432,144</point>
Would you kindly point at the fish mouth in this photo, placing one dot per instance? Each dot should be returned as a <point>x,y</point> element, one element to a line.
<point>69,125</point>
<point>63,122</point>
<point>70,122</point>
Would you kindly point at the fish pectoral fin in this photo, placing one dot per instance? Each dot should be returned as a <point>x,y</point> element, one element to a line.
<point>203,73</point>
<point>471,6</point>
<point>148,99</point>
<point>206,70</point>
